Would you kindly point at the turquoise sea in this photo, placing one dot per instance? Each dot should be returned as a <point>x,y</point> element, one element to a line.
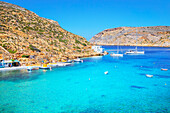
<point>84,88</point>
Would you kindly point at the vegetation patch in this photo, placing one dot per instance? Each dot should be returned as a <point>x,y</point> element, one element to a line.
<point>25,56</point>
<point>33,48</point>
<point>11,51</point>
<point>77,41</point>
<point>83,44</point>
<point>78,50</point>
<point>64,41</point>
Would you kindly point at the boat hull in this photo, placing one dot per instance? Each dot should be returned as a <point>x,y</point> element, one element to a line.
<point>44,67</point>
<point>150,76</point>
<point>78,60</point>
<point>135,52</point>
<point>116,55</point>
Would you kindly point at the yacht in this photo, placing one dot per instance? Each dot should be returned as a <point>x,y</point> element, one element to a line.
<point>117,54</point>
<point>135,51</point>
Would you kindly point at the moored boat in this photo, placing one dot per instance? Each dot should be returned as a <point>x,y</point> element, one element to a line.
<point>150,76</point>
<point>78,60</point>
<point>69,61</point>
<point>44,66</point>
<point>106,72</point>
<point>164,69</point>
<point>30,68</point>
<point>116,55</point>
<point>135,52</point>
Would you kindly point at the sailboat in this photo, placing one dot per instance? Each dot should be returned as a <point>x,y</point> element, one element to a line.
<point>117,54</point>
<point>135,51</point>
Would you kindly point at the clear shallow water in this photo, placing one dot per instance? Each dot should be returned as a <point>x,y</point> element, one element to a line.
<point>83,87</point>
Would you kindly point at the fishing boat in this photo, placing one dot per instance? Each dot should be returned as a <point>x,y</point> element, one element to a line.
<point>117,54</point>
<point>135,51</point>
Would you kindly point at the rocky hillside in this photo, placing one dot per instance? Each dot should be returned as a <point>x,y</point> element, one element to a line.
<point>24,33</point>
<point>145,36</point>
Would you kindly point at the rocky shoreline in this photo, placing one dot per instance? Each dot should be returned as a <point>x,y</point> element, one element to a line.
<point>153,36</point>
<point>133,45</point>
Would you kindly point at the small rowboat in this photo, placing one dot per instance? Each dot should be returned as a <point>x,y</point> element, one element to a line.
<point>150,76</point>
<point>106,72</point>
<point>164,69</point>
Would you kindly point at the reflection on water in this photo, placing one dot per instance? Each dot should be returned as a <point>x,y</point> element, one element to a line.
<point>19,75</point>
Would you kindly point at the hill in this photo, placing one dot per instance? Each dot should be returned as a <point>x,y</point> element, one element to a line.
<point>23,34</point>
<point>146,36</point>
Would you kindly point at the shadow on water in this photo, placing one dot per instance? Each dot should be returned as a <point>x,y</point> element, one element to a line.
<point>162,76</point>
<point>148,67</point>
<point>138,87</point>
<point>91,110</point>
<point>7,108</point>
<point>19,75</point>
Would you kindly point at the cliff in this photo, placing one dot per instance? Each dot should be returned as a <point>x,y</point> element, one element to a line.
<point>24,33</point>
<point>145,36</point>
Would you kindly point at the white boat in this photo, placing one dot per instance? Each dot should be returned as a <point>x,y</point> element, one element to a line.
<point>117,54</point>
<point>69,61</point>
<point>78,60</point>
<point>41,67</point>
<point>29,68</point>
<point>135,51</point>
<point>150,76</point>
<point>106,72</point>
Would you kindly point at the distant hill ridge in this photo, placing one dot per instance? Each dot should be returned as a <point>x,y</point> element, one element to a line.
<point>146,36</point>
<point>23,32</point>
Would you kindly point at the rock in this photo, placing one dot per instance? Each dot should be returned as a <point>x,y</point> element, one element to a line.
<point>146,36</point>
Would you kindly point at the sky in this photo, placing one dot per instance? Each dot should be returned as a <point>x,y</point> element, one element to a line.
<point>89,17</point>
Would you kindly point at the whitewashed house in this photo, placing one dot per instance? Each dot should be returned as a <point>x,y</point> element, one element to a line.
<point>98,49</point>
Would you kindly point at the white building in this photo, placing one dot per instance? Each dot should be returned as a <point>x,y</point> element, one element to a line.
<point>98,49</point>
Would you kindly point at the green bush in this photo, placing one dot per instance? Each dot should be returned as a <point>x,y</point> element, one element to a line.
<point>78,42</point>
<point>78,50</point>
<point>11,51</point>
<point>64,41</point>
<point>83,44</point>
<point>78,47</point>
<point>25,56</point>
<point>33,48</point>
<point>41,30</point>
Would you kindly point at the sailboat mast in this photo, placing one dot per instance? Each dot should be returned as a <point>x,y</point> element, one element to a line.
<point>3,58</point>
<point>117,47</point>
<point>136,39</point>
